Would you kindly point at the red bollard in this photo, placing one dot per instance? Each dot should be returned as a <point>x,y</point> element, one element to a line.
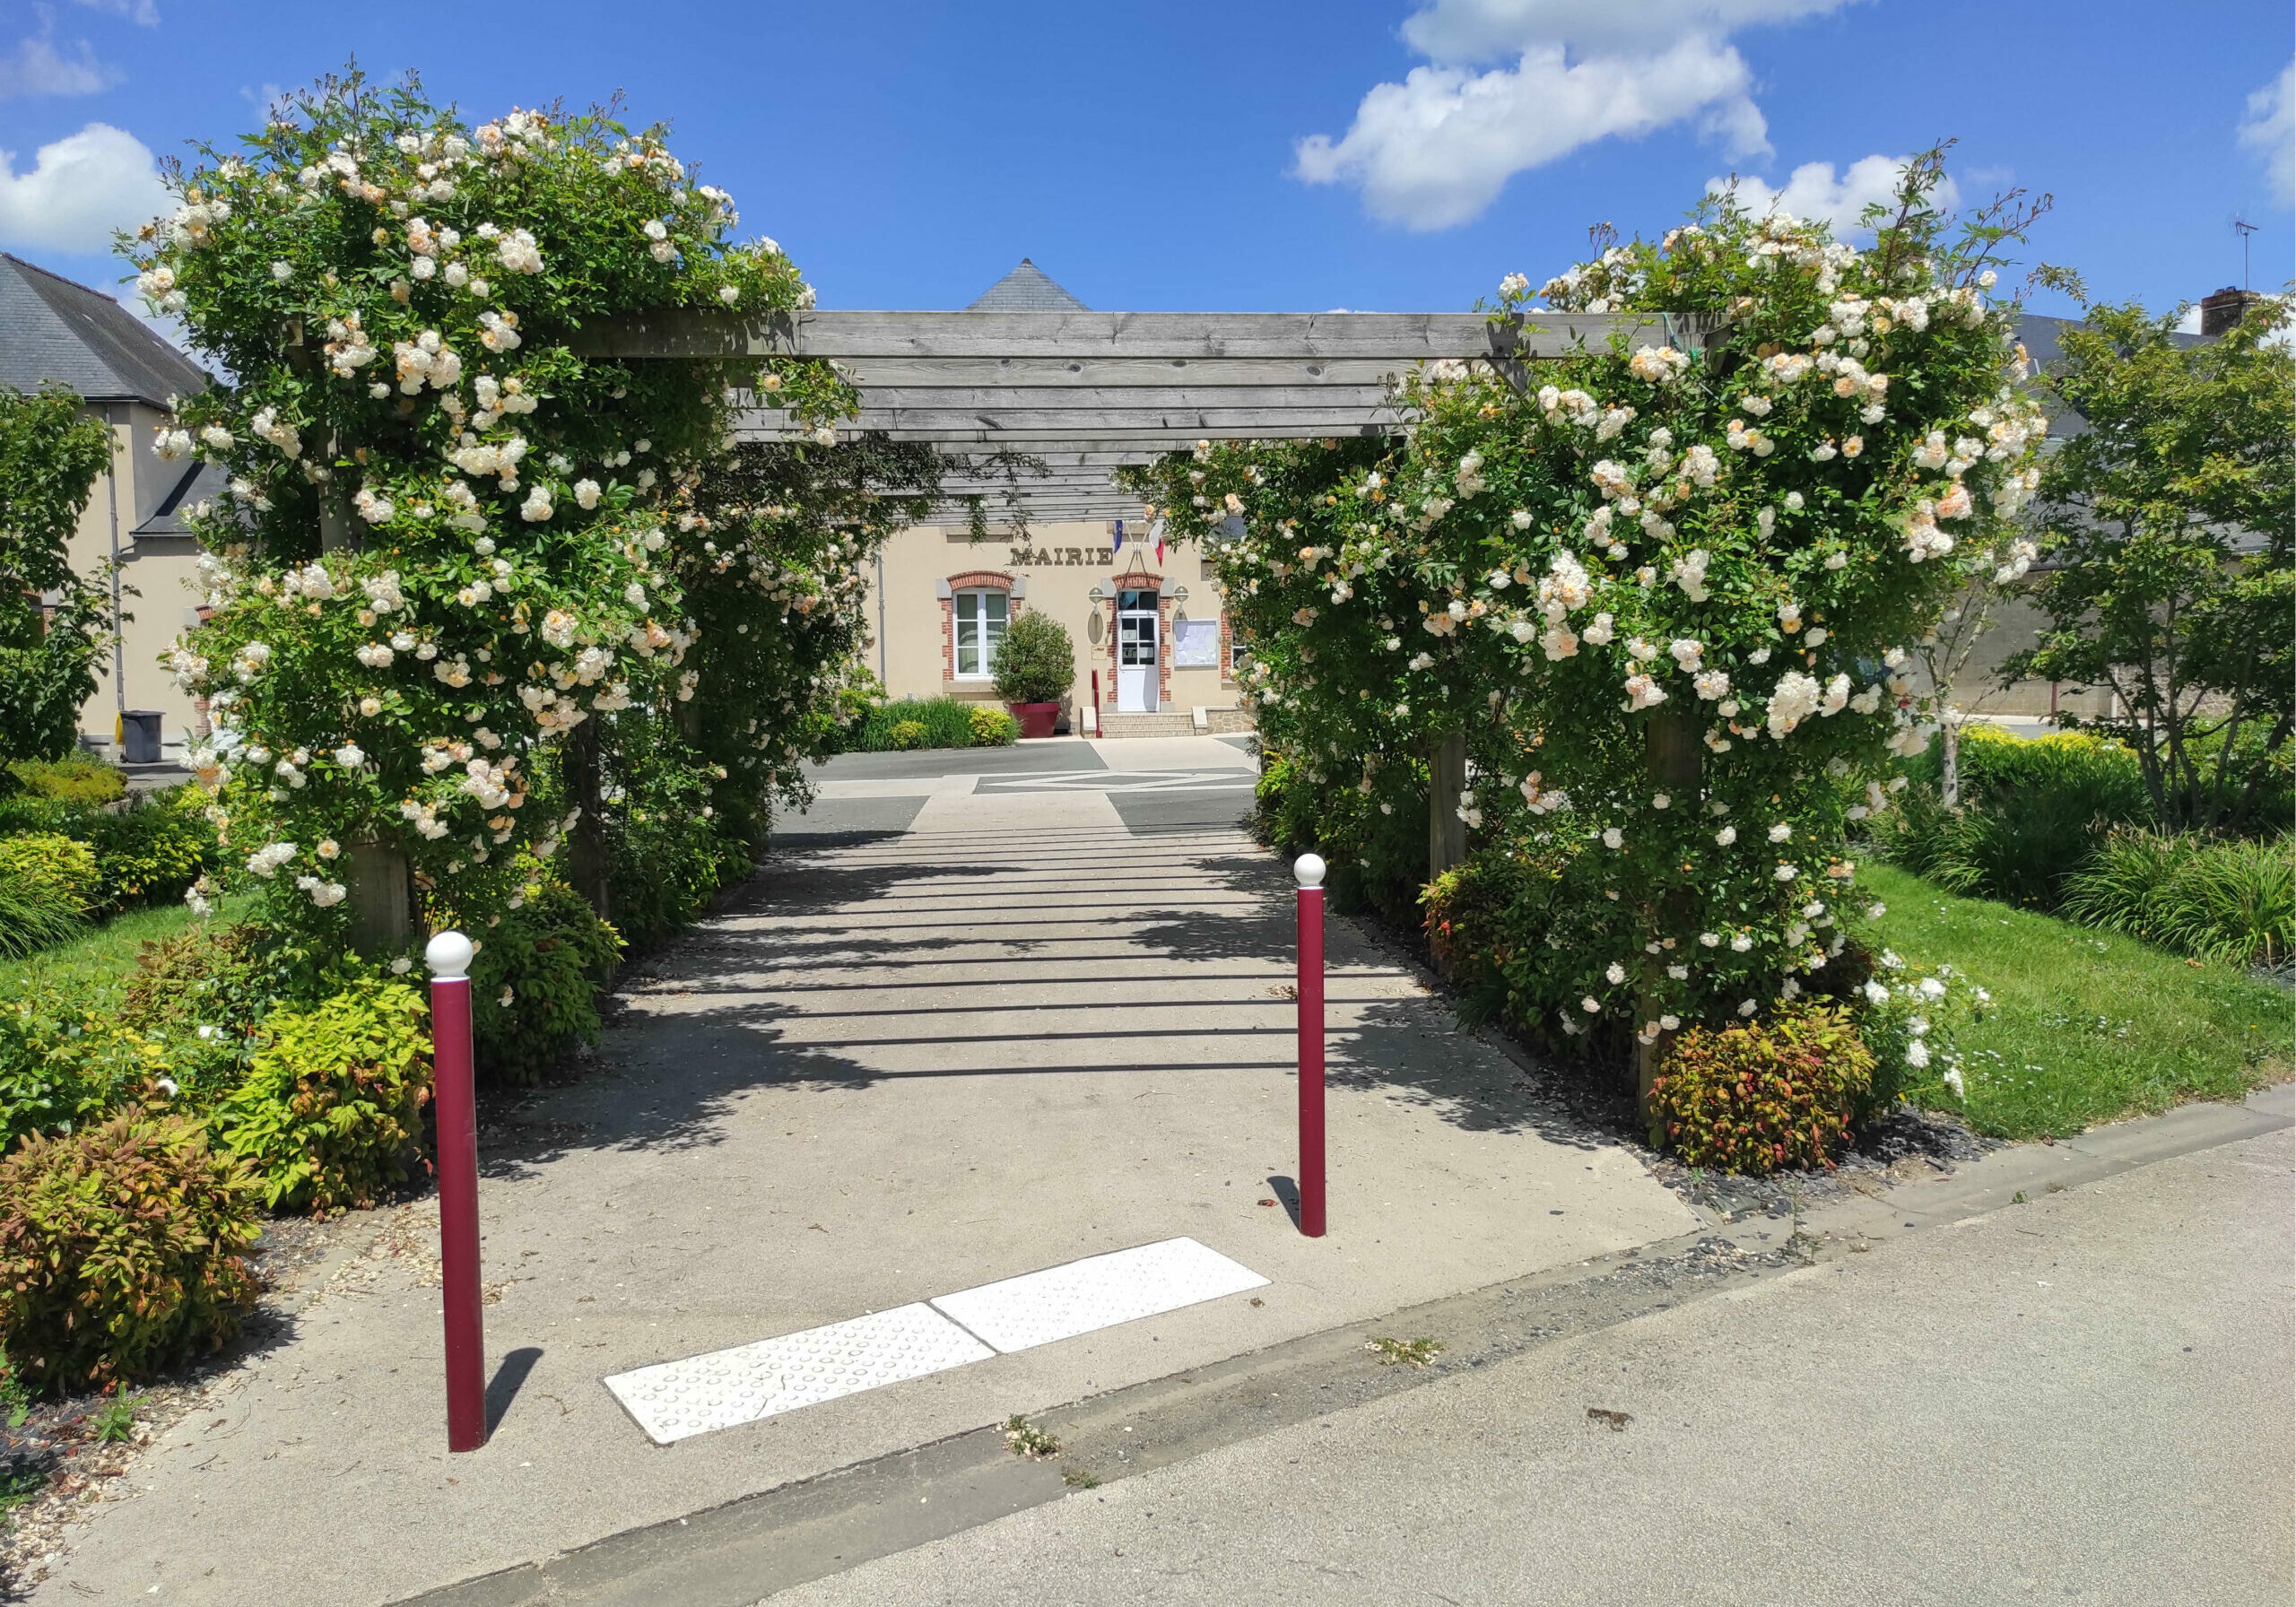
<point>448,956</point>
<point>1309,868</point>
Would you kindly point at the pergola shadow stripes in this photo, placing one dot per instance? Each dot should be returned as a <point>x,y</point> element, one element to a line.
<point>1086,392</point>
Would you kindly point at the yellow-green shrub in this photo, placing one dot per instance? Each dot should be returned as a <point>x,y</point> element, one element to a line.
<point>993,727</point>
<point>1756,1096</point>
<point>53,863</point>
<point>120,1251</point>
<point>65,1064</point>
<point>74,779</point>
<point>331,1113</point>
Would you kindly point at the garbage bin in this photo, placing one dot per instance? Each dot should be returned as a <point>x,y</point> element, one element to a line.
<point>139,736</point>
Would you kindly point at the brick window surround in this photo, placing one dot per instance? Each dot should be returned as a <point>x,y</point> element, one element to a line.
<point>968,580</point>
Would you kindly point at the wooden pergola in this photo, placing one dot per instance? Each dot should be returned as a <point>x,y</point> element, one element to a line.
<point>1086,392</point>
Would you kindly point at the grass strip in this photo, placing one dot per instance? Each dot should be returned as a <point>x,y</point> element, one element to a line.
<point>2084,1026</point>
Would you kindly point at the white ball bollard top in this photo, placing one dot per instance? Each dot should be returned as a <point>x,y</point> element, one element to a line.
<point>1309,870</point>
<point>448,956</point>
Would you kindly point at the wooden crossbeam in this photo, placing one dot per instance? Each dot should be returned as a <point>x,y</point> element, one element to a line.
<point>1395,337</point>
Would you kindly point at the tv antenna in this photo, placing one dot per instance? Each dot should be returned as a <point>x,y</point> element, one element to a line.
<point>2244,229</point>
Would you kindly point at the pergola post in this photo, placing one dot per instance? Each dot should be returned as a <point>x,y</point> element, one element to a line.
<point>1447,780</point>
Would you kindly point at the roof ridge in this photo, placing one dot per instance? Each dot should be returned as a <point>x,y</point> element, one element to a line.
<point>60,279</point>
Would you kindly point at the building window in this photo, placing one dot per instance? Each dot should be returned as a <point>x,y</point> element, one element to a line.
<point>979,628</point>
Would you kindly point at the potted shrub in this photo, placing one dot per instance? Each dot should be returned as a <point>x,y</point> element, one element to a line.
<point>1036,664</point>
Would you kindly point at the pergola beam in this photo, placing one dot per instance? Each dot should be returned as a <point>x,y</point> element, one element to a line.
<point>1395,337</point>
<point>1087,392</point>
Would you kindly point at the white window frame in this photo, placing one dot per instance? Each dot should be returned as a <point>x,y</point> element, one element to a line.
<point>975,600</point>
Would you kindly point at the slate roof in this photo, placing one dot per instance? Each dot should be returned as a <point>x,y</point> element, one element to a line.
<point>52,329</point>
<point>1027,289</point>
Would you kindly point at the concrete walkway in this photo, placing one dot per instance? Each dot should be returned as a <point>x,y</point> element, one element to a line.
<point>981,1013</point>
<point>2083,1399</point>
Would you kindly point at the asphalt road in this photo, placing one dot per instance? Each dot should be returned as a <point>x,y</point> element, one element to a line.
<point>2083,1399</point>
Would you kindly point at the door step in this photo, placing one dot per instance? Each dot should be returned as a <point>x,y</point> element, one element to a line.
<point>1147,724</point>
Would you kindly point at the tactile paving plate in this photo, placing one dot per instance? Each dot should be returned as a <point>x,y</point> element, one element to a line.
<point>1098,1292</point>
<point>676,1399</point>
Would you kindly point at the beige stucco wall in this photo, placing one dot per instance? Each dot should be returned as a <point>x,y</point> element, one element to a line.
<point>161,572</point>
<point>1051,573</point>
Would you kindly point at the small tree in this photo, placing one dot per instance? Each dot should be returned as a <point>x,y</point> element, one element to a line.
<point>53,621</point>
<point>2168,518</point>
<point>1036,663</point>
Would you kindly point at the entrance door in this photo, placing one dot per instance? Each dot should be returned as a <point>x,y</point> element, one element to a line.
<point>1136,652</point>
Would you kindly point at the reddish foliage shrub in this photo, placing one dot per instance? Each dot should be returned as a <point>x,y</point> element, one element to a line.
<point>1763,1095</point>
<point>120,1250</point>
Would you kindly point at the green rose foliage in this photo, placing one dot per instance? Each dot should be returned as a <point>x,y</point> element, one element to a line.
<point>455,529</point>
<point>121,1251</point>
<point>1662,587</point>
<point>331,1113</point>
<point>65,1064</point>
<point>534,985</point>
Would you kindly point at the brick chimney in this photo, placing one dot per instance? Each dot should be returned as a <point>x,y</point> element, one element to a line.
<point>2225,309</point>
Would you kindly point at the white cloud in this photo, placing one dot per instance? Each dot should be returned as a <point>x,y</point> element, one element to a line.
<point>143,13</point>
<point>1812,191</point>
<point>80,189</point>
<point>1436,150</point>
<point>36,67</point>
<point>2270,131</point>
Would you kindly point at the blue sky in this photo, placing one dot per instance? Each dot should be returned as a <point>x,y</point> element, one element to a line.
<point>1149,155</point>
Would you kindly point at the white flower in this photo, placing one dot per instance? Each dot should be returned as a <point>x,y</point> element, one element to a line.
<point>729,294</point>
<point>1931,988</point>
<point>350,756</point>
<point>1616,973</point>
<point>1727,836</point>
<point>1741,943</point>
<point>1787,873</point>
<point>1917,1054</point>
<point>1875,993</point>
<point>401,966</point>
<point>1612,838</point>
<point>1780,833</point>
<point>1589,1005</point>
<point>587,493</point>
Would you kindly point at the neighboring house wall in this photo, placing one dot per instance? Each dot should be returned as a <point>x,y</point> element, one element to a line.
<point>159,567</point>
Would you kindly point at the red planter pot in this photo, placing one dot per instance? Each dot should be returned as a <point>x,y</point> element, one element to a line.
<point>1036,719</point>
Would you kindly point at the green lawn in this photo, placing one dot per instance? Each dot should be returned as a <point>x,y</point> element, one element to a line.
<point>2084,1026</point>
<point>100,960</point>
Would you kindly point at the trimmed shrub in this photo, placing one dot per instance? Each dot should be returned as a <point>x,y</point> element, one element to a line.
<point>1036,663</point>
<point>75,779</point>
<point>993,727</point>
<point>147,852</point>
<point>151,850</point>
<point>65,1064</point>
<point>331,1112</point>
<point>53,863</point>
<point>534,985</point>
<point>120,1251</point>
<point>2229,901</point>
<point>1763,1095</point>
<point>908,734</point>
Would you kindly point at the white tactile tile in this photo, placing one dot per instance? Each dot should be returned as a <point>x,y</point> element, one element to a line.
<point>1099,1292</point>
<point>675,1400</point>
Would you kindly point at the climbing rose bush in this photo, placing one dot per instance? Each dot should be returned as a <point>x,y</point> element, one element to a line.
<point>455,531</point>
<point>1661,585</point>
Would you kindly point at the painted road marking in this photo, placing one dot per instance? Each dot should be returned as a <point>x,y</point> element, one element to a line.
<point>676,1399</point>
<point>1098,1292</point>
